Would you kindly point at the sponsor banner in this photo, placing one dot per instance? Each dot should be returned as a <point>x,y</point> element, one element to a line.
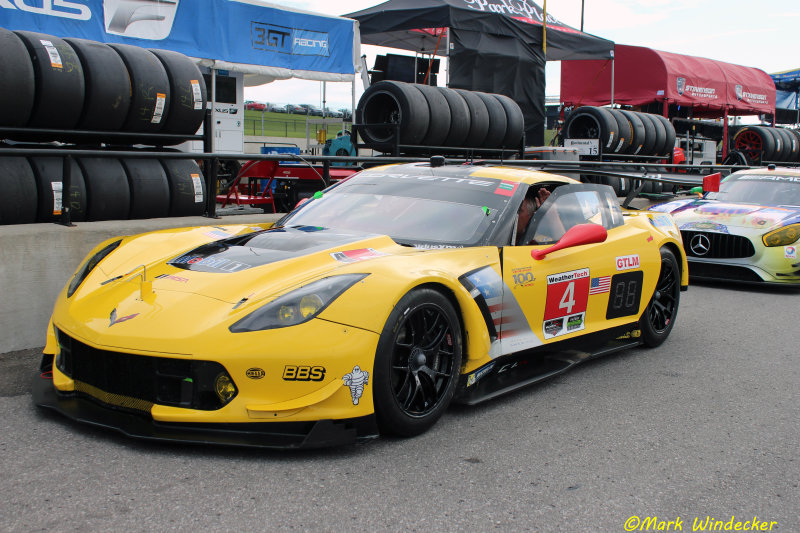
<point>227,30</point>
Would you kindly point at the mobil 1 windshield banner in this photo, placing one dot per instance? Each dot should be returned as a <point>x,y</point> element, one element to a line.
<point>228,30</point>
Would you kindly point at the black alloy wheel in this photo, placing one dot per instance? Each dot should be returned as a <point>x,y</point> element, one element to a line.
<point>659,317</point>
<point>417,364</point>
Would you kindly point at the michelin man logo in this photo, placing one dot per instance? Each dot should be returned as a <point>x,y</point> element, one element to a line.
<point>356,380</point>
<point>145,19</point>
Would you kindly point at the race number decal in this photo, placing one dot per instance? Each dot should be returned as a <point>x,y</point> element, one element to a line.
<point>625,294</point>
<point>565,309</point>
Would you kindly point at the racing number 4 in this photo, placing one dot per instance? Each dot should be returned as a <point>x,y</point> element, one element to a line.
<point>567,293</point>
<point>568,300</point>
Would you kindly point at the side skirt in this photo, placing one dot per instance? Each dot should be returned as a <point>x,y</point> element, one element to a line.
<point>518,370</point>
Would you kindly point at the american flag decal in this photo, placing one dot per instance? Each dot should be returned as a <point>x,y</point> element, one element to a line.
<point>600,285</point>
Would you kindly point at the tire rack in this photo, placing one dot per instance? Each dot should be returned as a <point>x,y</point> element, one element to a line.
<point>68,154</point>
<point>396,149</point>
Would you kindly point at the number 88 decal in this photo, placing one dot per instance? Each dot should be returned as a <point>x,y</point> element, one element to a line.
<point>626,294</point>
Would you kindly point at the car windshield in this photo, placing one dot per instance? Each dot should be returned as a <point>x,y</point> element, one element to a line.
<point>412,209</point>
<point>761,189</point>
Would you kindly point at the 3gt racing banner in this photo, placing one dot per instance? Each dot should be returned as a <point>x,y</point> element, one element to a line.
<point>236,31</point>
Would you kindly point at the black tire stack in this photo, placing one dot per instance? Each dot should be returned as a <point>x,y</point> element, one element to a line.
<point>621,131</point>
<point>88,86</point>
<point>422,118</point>
<point>762,144</point>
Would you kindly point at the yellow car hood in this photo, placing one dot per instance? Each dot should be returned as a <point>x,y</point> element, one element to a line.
<point>208,287</point>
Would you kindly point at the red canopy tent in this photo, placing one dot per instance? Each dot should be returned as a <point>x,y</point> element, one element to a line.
<point>643,76</point>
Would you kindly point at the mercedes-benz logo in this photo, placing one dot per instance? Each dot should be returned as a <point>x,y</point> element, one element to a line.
<point>700,244</point>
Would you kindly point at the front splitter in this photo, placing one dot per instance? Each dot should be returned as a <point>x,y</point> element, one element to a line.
<point>278,435</point>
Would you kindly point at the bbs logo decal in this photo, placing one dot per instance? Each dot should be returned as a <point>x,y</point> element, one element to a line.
<point>303,373</point>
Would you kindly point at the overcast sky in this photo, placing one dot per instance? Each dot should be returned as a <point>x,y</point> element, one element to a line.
<point>754,33</point>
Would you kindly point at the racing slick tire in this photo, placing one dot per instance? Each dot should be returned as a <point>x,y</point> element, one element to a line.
<point>108,86</point>
<point>19,199</point>
<point>650,138</point>
<point>796,135</point>
<point>756,142</point>
<point>148,186</point>
<point>789,144</point>
<point>187,103</point>
<point>637,131</point>
<point>736,157</point>
<point>479,119</point>
<point>669,132</point>
<point>186,187</point>
<point>17,91</point>
<point>624,127</point>
<point>49,171</point>
<point>515,121</point>
<point>393,102</point>
<point>459,117</point>
<point>498,122</point>
<point>60,87</point>
<point>659,133</point>
<point>417,363</point>
<point>588,122</point>
<point>149,89</point>
<point>439,124</point>
<point>659,316</point>
<point>109,197</point>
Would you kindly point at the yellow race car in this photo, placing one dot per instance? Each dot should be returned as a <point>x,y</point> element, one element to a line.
<point>367,310</point>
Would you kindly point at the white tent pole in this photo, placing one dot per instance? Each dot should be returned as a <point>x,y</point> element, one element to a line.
<point>213,132</point>
<point>447,54</point>
<point>612,80</point>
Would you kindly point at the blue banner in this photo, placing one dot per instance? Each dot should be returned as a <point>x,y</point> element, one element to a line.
<point>226,30</point>
<point>786,100</point>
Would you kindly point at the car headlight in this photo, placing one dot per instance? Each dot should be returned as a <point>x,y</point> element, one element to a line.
<point>298,306</point>
<point>88,266</point>
<point>783,236</point>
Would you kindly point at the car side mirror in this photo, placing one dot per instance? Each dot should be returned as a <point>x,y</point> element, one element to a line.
<point>575,236</point>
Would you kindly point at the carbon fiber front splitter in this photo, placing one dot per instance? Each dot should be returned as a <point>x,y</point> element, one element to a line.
<point>280,435</point>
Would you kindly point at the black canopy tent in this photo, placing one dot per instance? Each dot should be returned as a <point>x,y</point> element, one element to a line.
<point>494,46</point>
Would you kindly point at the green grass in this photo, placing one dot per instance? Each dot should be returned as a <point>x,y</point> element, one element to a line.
<point>270,124</point>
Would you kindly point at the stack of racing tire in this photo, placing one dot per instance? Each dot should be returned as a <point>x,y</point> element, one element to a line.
<point>51,88</point>
<point>625,133</point>
<point>621,131</point>
<point>424,118</point>
<point>764,144</point>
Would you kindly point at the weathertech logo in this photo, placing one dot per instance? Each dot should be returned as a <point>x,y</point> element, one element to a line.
<point>143,19</point>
